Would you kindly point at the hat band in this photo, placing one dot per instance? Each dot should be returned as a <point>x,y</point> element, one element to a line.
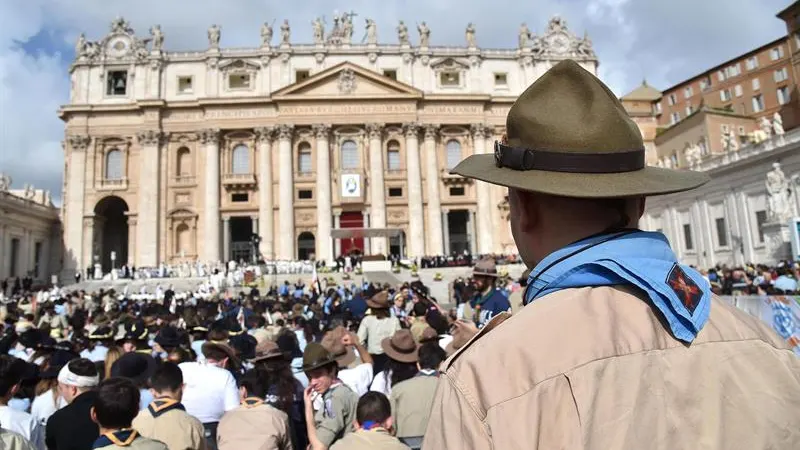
<point>517,158</point>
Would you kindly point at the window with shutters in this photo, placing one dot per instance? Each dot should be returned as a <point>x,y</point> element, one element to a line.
<point>393,155</point>
<point>240,159</point>
<point>349,155</point>
<point>453,153</point>
<point>783,95</point>
<point>737,90</point>
<point>304,164</point>
<point>114,165</point>
<point>758,103</point>
<point>756,84</point>
<point>751,63</point>
<point>776,53</point>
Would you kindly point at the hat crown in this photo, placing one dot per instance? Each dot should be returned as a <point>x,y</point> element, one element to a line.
<point>569,110</point>
<point>316,355</point>
<point>403,341</point>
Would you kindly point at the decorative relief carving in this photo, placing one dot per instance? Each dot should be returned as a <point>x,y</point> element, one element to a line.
<point>374,130</point>
<point>209,136</point>
<point>430,131</point>
<point>411,129</point>
<point>321,131</point>
<point>285,131</point>
<point>78,142</point>
<point>347,81</point>
<point>150,137</point>
<point>184,137</point>
<point>265,134</point>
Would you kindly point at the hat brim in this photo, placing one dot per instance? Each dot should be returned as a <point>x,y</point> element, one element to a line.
<point>645,182</point>
<point>484,274</point>
<point>347,358</point>
<point>267,356</point>
<point>386,345</point>
<point>376,305</point>
<point>318,364</point>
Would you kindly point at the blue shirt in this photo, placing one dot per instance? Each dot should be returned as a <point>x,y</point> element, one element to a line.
<point>489,305</point>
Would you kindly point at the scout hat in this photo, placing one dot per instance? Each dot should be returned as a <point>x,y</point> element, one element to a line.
<point>136,367</point>
<point>485,268</point>
<point>267,350</point>
<point>568,135</point>
<point>332,341</point>
<point>429,334</point>
<point>400,347</point>
<point>379,301</point>
<point>316,356</point>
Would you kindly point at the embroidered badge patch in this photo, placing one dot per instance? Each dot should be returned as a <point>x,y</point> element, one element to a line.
<point>686,289</point>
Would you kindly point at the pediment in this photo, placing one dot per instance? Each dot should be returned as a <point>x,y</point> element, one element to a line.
<point>449,64</point>
<point>238,64</point>
<point>346,81</point>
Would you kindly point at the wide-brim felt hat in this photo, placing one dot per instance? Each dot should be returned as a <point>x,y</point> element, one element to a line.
<point>379,301</point>
<point>485,267</point>
<point>568,135</point>
<point>168,337</point>
<point>316,356</point>
<point>101,333</point>
<point>134,331</point>
<point>267,350</point>
<point>137,367</point>
<point>401,347</point>
<point>229,351</point>
<point>332,341</point>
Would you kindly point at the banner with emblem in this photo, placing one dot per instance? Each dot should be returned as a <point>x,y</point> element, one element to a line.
<point>781,312</point>
<point>351,185</point>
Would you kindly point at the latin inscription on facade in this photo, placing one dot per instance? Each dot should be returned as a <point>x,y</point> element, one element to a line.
<point>243,113</point>
<point>453,109</point>
<point>303,110</point>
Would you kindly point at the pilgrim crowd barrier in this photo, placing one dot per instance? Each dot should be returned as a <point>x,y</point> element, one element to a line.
<point>781,312</point>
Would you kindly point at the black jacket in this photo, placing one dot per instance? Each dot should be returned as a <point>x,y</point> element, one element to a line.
<point>71,427</point>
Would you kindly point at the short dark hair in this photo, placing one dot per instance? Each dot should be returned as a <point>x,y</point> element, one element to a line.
<point>252,382</point>
<point>431,355</point>
<point>214,352</point>
<point>11,370</point>
<point>420,308</point>
<point>373,407</point>
<point>168,377</point>
<point>117,403</point>
<point>83,367</point>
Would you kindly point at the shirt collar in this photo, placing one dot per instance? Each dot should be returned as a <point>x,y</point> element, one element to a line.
<point>120,438</point>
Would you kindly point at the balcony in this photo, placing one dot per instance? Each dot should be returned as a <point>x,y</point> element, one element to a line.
<point>450,178</point>
<point>308,175</point>
<point>184,180</point>
<point>119,184</point>
<point>238,180</point>
<point>395,174</point>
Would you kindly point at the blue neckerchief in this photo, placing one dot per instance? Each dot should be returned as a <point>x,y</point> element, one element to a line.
<point>638,258</point>
<point>120,438</point>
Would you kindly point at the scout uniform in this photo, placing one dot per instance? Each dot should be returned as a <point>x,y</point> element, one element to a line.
<point>486,306</point>
<point>335,411</point>
<point>619,345</point>
<point>10,440</point>
<point>126,440</point>
<point>411,402</point>
<point>165,419</point>
<point>255,425</point>
<point>374,439</point>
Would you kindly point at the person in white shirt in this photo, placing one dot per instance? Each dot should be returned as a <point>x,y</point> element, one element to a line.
<point>341,344</point>
<point>11,370</point>
<point>210,389</point>
<point>377,326</point>
<point>96,350</point>
<point>50,401</point>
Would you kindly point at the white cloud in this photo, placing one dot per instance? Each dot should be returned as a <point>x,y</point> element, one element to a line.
<point>662,40</point>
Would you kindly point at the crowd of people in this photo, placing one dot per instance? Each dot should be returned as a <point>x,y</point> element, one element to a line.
<point>299,366</point>
<point>754,279</point>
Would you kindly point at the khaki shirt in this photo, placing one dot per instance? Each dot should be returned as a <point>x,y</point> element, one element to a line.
<point>412,401</point>
<point>172,426</point>
<point>372,331</point>
<point>139,443</point>
<point>594,368</point>
<point>335,418</point>
<point>375,439</point>
<point>259,427</point>
<point>10,440</point>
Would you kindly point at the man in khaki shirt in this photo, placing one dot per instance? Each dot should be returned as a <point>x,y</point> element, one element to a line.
<point>412,399</point>
<point>619,345</point>
<point>165,419</point>
<point>374,422</point>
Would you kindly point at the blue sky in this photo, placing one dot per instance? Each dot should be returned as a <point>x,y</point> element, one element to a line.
<point>664,41</point>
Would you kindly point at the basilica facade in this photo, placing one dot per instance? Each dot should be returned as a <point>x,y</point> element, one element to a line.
<point>178,156</point>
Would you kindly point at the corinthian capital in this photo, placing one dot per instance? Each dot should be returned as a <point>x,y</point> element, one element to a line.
<point>411,129</point>
<point>285,131</point>
<point>321,130</point>
<point>209,136</point>
<point>79,142</point>
<point>431,130</point>
<point>265,134</point>
<point>374,130</point>
<point>150,137</point>
<point>480,130</point>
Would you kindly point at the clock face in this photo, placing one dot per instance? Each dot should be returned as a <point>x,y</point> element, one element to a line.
<point>118,46</point>
<point>559,43</point>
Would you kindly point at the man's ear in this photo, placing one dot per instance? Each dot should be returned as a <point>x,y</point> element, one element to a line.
<point>527,209</point>
<point>387,424</point>
<point>93,415</point>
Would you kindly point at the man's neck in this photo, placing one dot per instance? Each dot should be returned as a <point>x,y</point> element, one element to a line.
<point>167,394</point>
<point>104,430</point>
<point>486,290</point>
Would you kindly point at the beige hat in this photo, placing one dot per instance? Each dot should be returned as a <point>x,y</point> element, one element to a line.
<point>267,350</point>
<point>401,347</point>
<point>332,341</point>
<point>485,267</point>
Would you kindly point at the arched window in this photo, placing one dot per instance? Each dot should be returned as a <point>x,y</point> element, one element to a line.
<point>304,164</point>
<point>183,242</point>
<point>453,153</point>
<point>184,166</point>
<point>241,159</point>
<point>349,155</point>
<point>114,165</point>
<point>393,155</point>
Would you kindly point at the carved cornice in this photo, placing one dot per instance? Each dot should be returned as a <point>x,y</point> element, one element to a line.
<point>209,136</point>
<point>374,130</point>
<point>285,131</point>
<point>431,130</point>
<point>321,130</point>
<point>265,134</point>
<point>79,142</point>
<point>411,129</point>
<point>150,137</point>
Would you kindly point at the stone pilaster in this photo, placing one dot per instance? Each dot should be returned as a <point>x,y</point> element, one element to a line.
<point>148,192</point>
<point>435,246</point>
<point>416,231</point>
<point>324,212</point>
<point>74,208</point>
<point>226,240</point>
<point>377,191</point>
<point>286,235</point>
<point>485,212</point>
<point>266,208</point>
<point>211,248</point>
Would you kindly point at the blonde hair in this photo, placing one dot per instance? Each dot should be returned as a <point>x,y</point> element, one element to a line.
<point>114,353</point>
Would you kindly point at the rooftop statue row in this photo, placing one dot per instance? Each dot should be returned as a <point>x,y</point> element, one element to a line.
<point>557,40</point>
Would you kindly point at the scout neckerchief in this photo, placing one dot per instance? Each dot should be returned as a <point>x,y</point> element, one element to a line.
<point>635,258</point>
<point>428,373</point>
<point>162,405</point>
<point>369,425</point>
<point>252,402</point>
<point>120,438</point>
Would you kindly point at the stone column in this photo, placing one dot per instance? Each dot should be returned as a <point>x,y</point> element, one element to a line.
<point>149,177</point>
<point>210,139</point>
<point>3,253</point>
<point>435,246</point>
<point>226,240</point>
<point>377,191</point>
<point>132,231</point>
<point>337,246</point>
<point>286,191</point>
<point>323,241</point>
<point>748,239</point>
<point>471,232</point>
<point>74,207</point>
<point>484,216</point>
<point>446,231</point>
<point>416,231</point>
<point>266,208</point>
